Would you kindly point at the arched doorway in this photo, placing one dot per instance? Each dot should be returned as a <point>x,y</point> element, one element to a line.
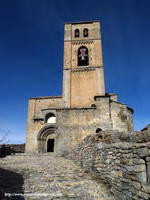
<point>46,139</point>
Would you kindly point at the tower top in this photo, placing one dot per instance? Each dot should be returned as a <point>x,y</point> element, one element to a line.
<point>83,22</point>
<point>77,31</point>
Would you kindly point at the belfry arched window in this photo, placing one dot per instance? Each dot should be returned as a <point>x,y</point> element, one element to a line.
<point>85,32</point>
<point>83,56</point>
<point>77,33</point>
<point>50,118</point>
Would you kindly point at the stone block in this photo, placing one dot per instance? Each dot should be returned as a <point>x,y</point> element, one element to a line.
<point>147,158</point>
<point>142,152</point>
<point>143,195</point>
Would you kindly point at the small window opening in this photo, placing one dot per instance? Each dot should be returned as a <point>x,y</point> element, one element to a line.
<point>50,118</point>
<point>98,130</point>
<point>85,32</point>
<point>77,33</point>
<point>93,106</point>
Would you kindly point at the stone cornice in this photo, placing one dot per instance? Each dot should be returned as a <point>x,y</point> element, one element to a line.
<point>73,108</point>
<point>46,97</point>
<point>83,68</point>
<point>82,42</point>
<point>89,40</point>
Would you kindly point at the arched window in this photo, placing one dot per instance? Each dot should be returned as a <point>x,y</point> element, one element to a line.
<point>85,32</point>
<point>77,33</point>
<point>93,105</point>
<point>83,56</point>
<point>98,130</point>
<point>50,118</point>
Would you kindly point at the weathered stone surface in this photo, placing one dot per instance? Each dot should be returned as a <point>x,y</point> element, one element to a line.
<point>123,165</point>
<point>142,152</point>
<point>84,107</point>
<point>46,177</point>
<point>148,159</point>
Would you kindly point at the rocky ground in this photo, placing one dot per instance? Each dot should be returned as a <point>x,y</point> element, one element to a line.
<point>45,177</point>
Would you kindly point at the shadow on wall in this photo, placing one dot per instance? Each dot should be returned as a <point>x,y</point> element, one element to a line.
<point>11,185</point>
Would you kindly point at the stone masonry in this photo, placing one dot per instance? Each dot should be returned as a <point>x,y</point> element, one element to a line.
<point>45,177</point>
<point>56,124</point>
<point>74,124</point>
<point>121,160</point>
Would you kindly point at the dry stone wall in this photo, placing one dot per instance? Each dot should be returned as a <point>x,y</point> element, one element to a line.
<point>120,160</point>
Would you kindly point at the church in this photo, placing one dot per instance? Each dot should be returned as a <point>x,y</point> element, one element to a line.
<point>58,123</point>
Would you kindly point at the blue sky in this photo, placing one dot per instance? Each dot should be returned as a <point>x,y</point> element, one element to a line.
<point>31,54</point>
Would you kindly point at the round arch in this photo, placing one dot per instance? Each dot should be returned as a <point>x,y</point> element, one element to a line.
<point>47,132</point>
<point>77,33</point>
<point>85,32</point>
<point>98,130</point>
<point>83,56</point>
<point>50,118</point>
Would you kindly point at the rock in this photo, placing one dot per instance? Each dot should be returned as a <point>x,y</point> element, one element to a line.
<point>142,152</point>
<point>122,162</point>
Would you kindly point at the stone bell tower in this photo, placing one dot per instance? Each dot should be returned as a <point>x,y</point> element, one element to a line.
<point>83,76</point>
<point>58,123</point>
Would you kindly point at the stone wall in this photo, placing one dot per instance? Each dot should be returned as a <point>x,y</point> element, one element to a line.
<point>85,84</point>
<point>35,121</point>
<point>74,124</point>
<point>121,160</point>
<point>18,148</point>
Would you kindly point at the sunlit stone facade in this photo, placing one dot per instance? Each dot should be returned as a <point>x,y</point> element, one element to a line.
<point>56,124</point>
